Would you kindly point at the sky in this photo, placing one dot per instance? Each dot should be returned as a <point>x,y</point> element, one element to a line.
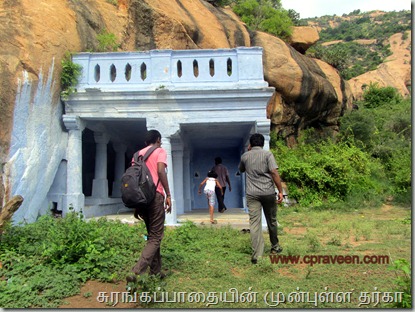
<point>313,8</point>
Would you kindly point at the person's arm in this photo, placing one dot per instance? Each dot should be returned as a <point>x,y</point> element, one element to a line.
<point>277,180</point>
<point>229,182</point>
<point>241,166</point>
<point>219,186</point>
<point>161,170</point>
<point>200,186</point>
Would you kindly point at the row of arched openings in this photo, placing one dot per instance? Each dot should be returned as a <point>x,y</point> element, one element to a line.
<point>143,70</point>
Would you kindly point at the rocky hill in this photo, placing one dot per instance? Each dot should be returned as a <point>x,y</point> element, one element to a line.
<point>381,40</point>
<point>35,37</point>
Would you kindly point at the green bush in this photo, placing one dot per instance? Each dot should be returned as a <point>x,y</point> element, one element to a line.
<point>47,260</point>
<point>381,127</point>
<point>267,16</point>
<point>107,42</point>
<point>70,75</point>
<point>403,281</point>
<point>96,249</point>
<point>375,96</point>
<point>324,173</point>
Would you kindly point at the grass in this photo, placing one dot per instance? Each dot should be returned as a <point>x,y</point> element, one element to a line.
<point>365,232</point>
<point>213,263</point>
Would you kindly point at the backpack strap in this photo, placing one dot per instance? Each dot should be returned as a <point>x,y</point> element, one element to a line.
<point>146,155</point>
<point>150,150</point>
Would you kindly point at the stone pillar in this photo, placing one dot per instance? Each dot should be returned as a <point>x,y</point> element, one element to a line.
<point>120,150</point>
<point>171,218</point>
<point>100,182</point>
<point>74,197</point>
<point>187,182</point>
<point>245,206</point>
<point>263,127</point>
<point>177,158</point>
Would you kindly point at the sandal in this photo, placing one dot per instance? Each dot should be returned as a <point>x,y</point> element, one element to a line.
<point>213,222</point>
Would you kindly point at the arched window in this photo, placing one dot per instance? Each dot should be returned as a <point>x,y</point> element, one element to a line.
<point>143,71</point>
<point>229,67</point>
<point>179,69</point>
<point>97,73</point>
<point>128,72</point>
<point>212,67</point>
<point>195,68</point>
<point>113,73</point>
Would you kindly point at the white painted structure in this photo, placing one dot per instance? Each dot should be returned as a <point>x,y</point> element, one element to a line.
<point>205,103</point>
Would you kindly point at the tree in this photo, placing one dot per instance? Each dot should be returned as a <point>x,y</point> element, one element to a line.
<point>295,17</point>
<point>265,15</point>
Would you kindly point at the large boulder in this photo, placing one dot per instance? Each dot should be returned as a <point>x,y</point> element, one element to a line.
<point>309,92</point>
<point>303,37</point>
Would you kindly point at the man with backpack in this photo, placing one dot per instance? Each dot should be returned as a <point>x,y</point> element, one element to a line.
<point>154,214</point>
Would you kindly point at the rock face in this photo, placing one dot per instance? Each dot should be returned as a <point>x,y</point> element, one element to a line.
<point>35,37</point>
<point>394,72</point>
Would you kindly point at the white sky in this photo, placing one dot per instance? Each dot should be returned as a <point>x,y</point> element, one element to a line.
<point>313,8</point>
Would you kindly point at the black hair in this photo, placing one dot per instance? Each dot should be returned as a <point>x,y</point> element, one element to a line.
<point>212,174</point>
<point>257,139</point>
<point>152,136</point>
<point>218,160</point>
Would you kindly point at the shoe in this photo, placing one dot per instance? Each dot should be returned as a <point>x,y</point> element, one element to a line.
<point>277,249</point>
<point>254,261</point>
<point>131,278</point>
<point>163,274</point>
<point>131,286</point>
<point>213,222</point>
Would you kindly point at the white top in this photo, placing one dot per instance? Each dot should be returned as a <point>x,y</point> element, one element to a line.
<point>210,184</point>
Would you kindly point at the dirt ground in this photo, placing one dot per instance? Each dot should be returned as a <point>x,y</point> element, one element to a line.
<point>88,297</point>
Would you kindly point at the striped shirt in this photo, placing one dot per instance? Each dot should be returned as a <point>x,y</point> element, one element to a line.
<point>258,164</point>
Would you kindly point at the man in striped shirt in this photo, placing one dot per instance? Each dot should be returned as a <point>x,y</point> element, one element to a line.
<point>261,175</point>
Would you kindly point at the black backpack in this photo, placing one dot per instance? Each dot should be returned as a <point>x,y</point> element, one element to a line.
<point>137,187</point>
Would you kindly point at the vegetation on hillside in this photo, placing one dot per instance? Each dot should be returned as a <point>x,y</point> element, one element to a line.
<point>349,56</point>
<point>368,163</point>
<point>264,15</point>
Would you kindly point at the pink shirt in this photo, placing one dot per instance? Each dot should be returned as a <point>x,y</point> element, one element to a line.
<point>158,155</point>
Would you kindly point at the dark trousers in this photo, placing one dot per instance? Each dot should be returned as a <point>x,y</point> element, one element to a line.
<point>153,217</point>
<point>255,206</point>
<point>221,198</point>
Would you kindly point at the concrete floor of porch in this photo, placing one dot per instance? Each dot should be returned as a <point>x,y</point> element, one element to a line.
<point>235,217</point>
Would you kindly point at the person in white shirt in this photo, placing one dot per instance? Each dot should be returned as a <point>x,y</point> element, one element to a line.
<point>209,190</point>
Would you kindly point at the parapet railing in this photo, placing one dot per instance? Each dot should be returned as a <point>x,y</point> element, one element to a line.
<point>171,69</point>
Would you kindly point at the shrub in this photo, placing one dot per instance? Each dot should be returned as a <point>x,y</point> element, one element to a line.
<point>95,249</point>
<point>70,75</point>
<point>267,16</point>
<point>382,129</point>
<point>376,96</point>
<point>403,280</point>
<point>107,42</point>
<point>325,173</point>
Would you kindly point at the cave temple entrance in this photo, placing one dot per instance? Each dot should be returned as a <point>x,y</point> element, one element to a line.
<point>205,103</point>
